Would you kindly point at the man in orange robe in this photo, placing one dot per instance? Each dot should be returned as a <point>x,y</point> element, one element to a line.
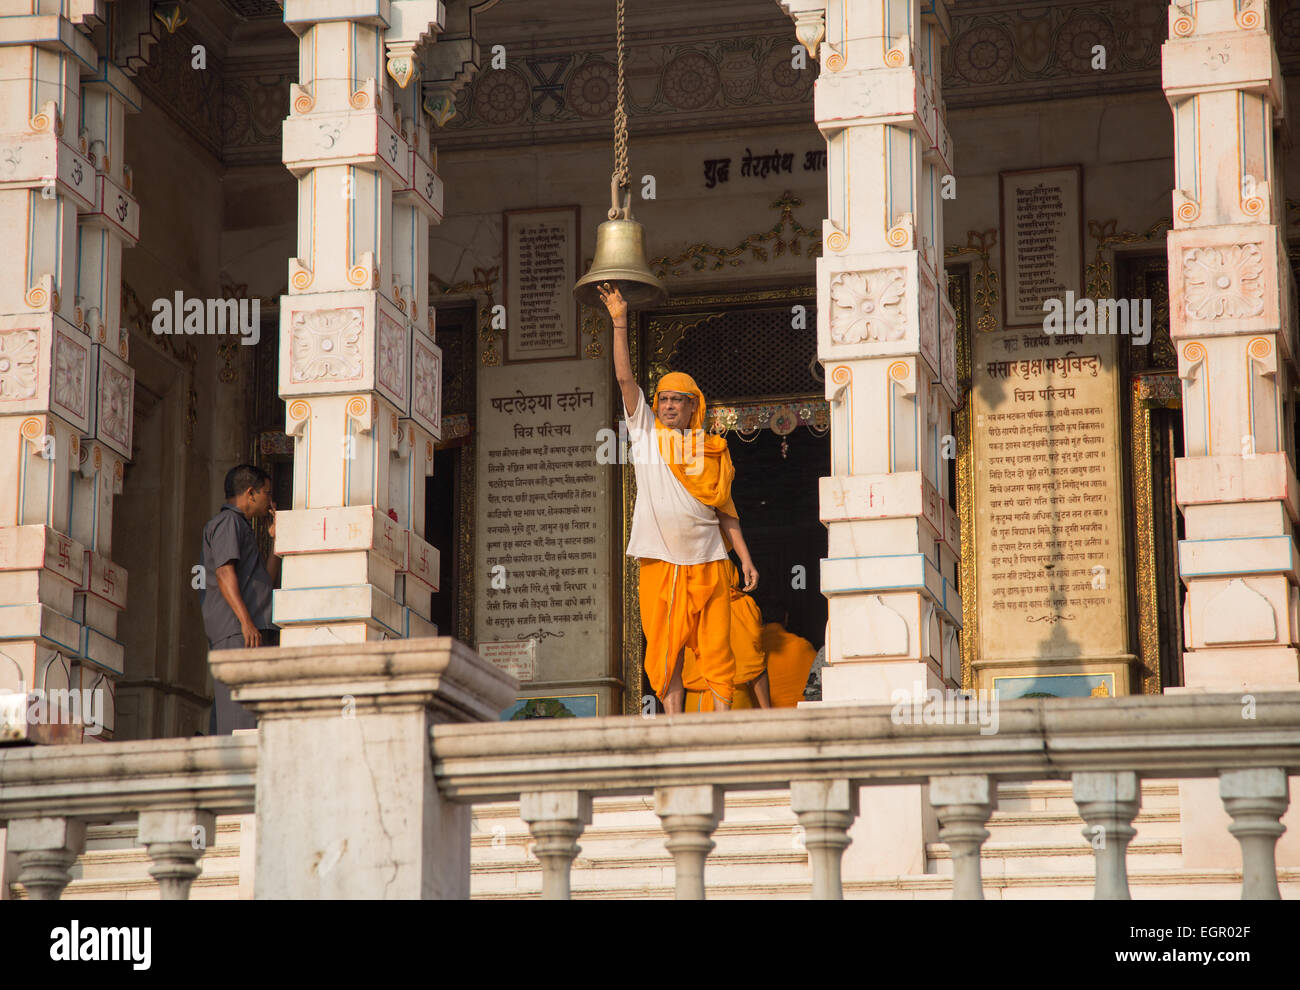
<point>683,525</point>
<point>751,679</point>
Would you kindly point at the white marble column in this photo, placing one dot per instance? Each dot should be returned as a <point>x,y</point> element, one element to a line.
<point>1232,322</point>
<point>359,369</point>
<point>886,339</point>
<point>66,390</point>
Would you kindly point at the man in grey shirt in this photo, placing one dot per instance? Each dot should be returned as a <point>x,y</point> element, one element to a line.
<point>237,614</point>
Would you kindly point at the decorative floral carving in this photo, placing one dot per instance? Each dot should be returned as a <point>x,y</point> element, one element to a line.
<point>70,373</point>
<point>501,96</point>
<point>326,345</point>
<point>115,406</point>
<point>691,81</point>
<point>1223,282</point>
<point>947,345</point>
<point>867,306</point>
<point>392,356</point>
<point>591,89</point>
<point>19,353</point>
<point>426,384</point>
<point>929,318</point>
<point>984,54</point>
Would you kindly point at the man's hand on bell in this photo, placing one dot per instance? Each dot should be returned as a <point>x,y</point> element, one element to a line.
<point>613,300</point>
<point>751,577</point>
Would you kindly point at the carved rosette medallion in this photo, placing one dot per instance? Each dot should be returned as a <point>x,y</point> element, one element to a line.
<point>426,384</point>
<point>70,360</point>
<point>325,345</point>
<point>929,317</point>
<point>115,406</point>
<point>19,355</point>
<point>392,356</point>
<point>868,306</point>
<point>1223,282</point>
<point>948,347</point>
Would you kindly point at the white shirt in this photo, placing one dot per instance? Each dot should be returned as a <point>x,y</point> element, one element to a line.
<point>668,523</point>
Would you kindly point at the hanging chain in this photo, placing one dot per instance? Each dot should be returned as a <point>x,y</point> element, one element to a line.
<point>619,180</point>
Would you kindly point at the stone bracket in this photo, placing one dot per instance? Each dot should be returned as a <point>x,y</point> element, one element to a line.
<point>1242,61</point>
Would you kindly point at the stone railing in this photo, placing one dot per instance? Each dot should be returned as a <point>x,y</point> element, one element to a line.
<point>365,787</point>
<point>173,788</point>
<point>825,755</point>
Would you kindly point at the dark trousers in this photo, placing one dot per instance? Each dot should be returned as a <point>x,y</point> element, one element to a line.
<point>227,714</point>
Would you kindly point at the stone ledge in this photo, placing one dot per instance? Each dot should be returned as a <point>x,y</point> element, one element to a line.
<point>441,674</point>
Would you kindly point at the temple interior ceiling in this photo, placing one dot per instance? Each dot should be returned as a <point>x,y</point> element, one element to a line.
<point>691,67</point>
<point>253,8</point>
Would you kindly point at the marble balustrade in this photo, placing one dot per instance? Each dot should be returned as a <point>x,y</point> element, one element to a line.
<point>822,756</point>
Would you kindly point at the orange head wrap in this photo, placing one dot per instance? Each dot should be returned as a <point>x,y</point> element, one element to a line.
<point>699,460</point>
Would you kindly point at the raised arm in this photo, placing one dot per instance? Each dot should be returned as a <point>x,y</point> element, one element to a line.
<point>617,306</point>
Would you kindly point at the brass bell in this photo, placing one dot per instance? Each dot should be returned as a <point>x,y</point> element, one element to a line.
<point>620,260</point>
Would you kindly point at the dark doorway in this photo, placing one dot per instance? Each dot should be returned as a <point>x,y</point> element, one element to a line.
<point>776,497</point>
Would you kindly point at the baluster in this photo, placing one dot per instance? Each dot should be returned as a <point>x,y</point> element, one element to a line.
<point>1256,799</point>
<point>556,820</point>
<point>963,804</point>
<point>45,849</point>
<point>826,809</point>
<point>689,816</point>
<point>1108,802</point>
<point>175,840</point>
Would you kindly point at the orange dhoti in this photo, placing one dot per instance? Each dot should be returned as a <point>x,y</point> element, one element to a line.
<point>789,661</point>
<point>687,605</point>
<point>787,658</point>
<point>746,639</point>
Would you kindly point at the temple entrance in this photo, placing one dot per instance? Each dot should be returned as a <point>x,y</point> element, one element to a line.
<point>754,357</point>
<point>1154,424</point>
<point>776,496</point>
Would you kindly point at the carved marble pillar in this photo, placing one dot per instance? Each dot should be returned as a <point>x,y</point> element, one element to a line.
<point>964,803</point>
<point>689,815</point>
<point>556,820</point>
<point>825,809</point>
<point>176,840</point>
<point>1231,319</point>
<point>1108,801</point>
<point>66,390</point>
<point>359,369</point>
<point>886,338</point>
<point>1256,800</point>
<point>45,849</point>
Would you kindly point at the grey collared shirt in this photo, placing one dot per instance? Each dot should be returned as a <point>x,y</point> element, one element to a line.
<point>228,539</point>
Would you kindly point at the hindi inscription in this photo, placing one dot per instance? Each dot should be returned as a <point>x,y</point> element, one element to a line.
<point>1042,240</point>
<point>541,248</point>
<point>1048,501</point>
